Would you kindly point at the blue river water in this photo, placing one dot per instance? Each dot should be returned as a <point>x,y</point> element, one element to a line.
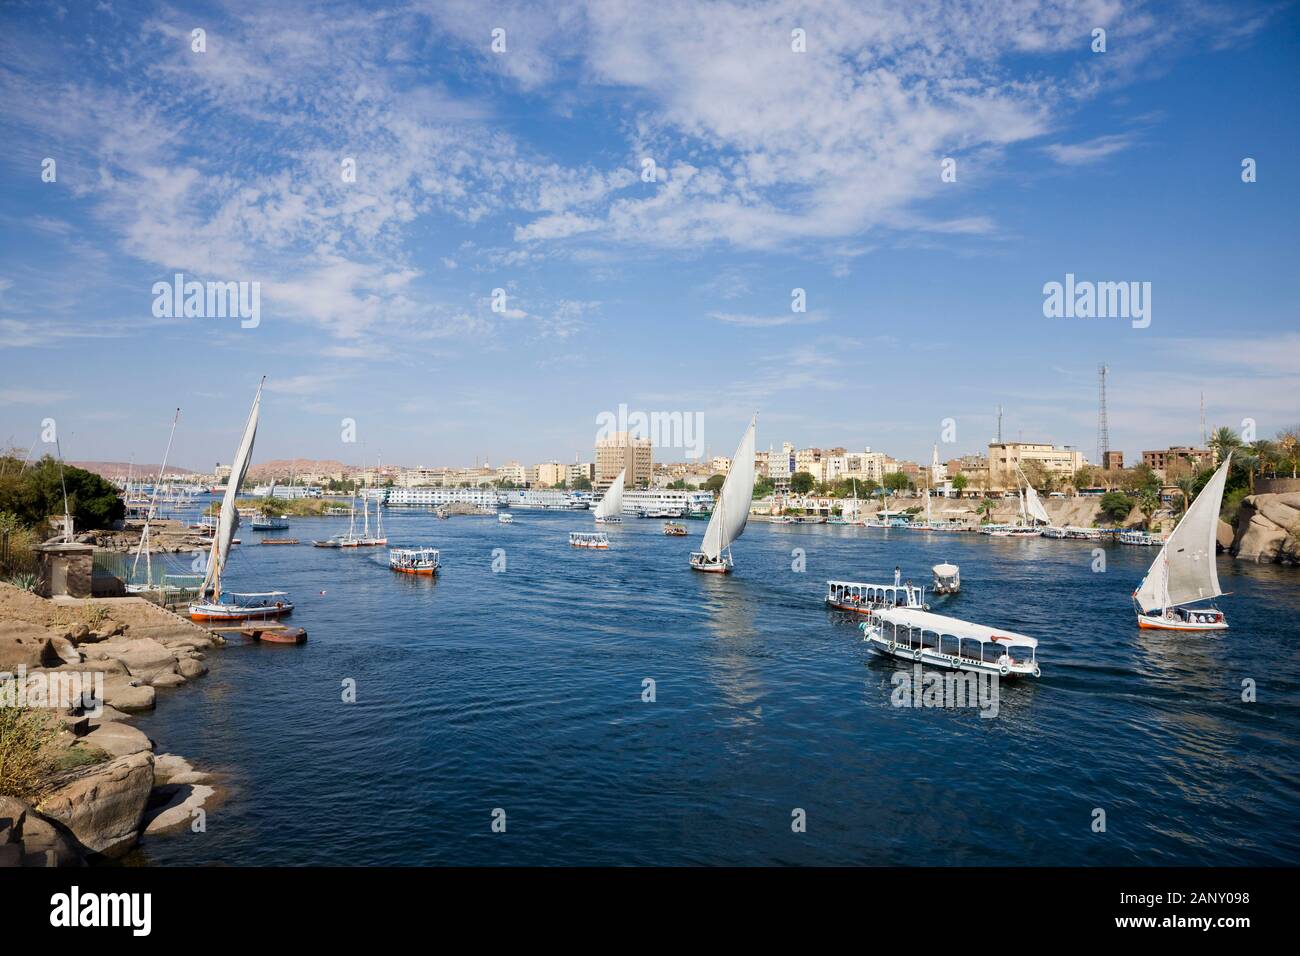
<point>521,690</point>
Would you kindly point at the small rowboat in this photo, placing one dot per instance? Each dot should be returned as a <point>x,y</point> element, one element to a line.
<point>277,635</point>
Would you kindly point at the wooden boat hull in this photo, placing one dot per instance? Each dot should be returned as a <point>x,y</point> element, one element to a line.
<point>425,572</point>
<point>210,612</point>
<point>288,635</point>
<point>711,568</point>
<point>1149,623</point>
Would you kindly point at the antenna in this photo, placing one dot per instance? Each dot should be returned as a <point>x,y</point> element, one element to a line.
<point>1103,429</point>
<point>999,425</point>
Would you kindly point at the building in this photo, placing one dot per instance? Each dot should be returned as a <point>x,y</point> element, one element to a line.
<point>721,465</point>
<point>552,473</point>
<point>512,472</point>
<point>1112,460</point>
<point>1007,459</point>
<point>622,452</point>
<point>580,470</point>
<point>1194,459</point>
<point>865,465</point>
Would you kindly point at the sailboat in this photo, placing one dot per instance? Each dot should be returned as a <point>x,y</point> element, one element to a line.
<point>367,539</point>
<point>350,539</point>
<point>245,606</point>
<point>145,548</point>
<point>610,509</point>
<point>727,523</point>
<point>1184,572</point>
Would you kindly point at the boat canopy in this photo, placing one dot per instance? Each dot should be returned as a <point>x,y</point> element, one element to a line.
<point>945,570</point>
<point>256,594</point>
<point>940,624</point>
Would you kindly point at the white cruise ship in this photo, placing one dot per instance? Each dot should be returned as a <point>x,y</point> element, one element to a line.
<point>666,502</point>
<point>547,499</point>
<point>481,497</point>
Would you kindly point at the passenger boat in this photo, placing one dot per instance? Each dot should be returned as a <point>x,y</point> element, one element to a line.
<point>940,641</point>
<point>270,523</point>
<point>947,579</point>
<point>506,518</point>
<point>1142,539</point>
<point>727,523</point>
<point>423,561</point>
<point>1184,573</point>
<point>674,529</point>
<point>1054,532</point>
<point>1083,534</point>
<point>859,598</point>
<point>588,539</point>
<point>610,509</point>
<point>264,604</point>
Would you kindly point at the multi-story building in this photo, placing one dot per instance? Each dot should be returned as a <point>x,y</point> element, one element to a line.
<point>622,452</point>
<point>809,460</point>
<point>551,473</point>
<point>865,465</point>
<point>512,472</point>
<point>1194,458</point>
<point>721,465</point>
<point>1112,460</point>
<point>1007,459</point>
<point>579,470</point>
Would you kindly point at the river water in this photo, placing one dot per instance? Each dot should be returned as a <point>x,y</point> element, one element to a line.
<point>521,689</point>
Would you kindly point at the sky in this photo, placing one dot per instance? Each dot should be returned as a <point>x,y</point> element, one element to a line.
<point>508,146</point>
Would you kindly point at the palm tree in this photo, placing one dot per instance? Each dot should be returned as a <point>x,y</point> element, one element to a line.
<point>1288,440</point>
<point>1187,485</point>
<point>986,508</point>
<point>1267,453</point>
<point>1224,442</point>
<point>1149,502</point>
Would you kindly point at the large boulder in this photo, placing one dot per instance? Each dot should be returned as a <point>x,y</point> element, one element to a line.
<point>124,694</point>
<point>1224,535</point>
<point>30,839</point>
<point>21,645</point>
<point>1268,528</point>
<point>117,738</point>
<point>59,651</point>
<point>103,806</point>
<point>144,658</point>
<point>173,806</point>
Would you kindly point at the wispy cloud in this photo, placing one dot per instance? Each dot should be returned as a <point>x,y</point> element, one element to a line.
<point>1090,151</point>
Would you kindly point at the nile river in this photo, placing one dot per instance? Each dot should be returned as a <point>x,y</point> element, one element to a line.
<point>521,689</point>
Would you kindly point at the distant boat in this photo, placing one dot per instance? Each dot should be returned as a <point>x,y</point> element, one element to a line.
<point>506,518</point>
<point>1184,573</point>
<point>727,522</point>
<point>247,605</point>
<point>588,539</point>
<point>610,509</point>
<point>674,529</point>
<point>1141,538</point>
<point>270,523</point>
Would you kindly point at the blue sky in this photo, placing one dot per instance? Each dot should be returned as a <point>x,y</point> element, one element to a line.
<point>521,170</point>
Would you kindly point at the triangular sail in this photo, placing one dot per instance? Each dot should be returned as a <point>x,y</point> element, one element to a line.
<point>1034,506</point>
<point>611,506</point>
<point>1185,569</point>
<point>229,519</point>
<point>727,522</point>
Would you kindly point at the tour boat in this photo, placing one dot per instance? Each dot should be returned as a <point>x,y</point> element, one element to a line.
<point>727,523</point>
<point>859,598</point>
<point>947,579</point>
<point>422,561</point>
<point>1141,538</point>
<point>672,528</point>
<point>506,518</point>
<point>1184,573</point>
<point>610,509</point>
<point>1054,532</point>
<point>209,605</point>
<point>940,641</point>
<point>1083,534</point>
<point>588,539</point>
<point>269,523</point>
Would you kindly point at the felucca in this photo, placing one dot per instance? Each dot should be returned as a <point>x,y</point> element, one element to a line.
<point>248,605</point>
<point>727,523</point>
<point>1184,572</point>
<point>610,509</point>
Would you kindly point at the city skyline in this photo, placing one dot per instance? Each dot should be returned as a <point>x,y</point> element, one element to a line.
<point>523,170</point>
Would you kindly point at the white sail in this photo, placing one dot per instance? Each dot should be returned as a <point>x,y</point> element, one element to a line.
<point>727,522</point>
<point>1034,506</point>
<point>611,506</point>
<point>1185,569</point>
<point>229,520</point>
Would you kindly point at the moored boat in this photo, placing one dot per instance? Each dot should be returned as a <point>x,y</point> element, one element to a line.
<point>948,642</point>
<point>275,635</point>
<point>279,541</point>
<point>270,523</point>
<point>588,539</point>
<point>246,606</point>
<point>1184,573</point>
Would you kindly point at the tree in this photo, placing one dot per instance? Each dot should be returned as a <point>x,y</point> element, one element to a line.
<point>801,482</point>
<point>582,483</point>
<point>959,484</point>
<point>986,508</point>
<point>1187,485</point>
<point>763,487</point>
<point>897,481</point>
<point>1224,442</point>
<point>36,492</point>
<point>1288,443</point>
<point>1149,502</point>
<point>1116,505</point>
<point>714,484</point>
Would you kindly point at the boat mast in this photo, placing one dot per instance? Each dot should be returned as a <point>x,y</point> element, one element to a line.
<point>144,535</point>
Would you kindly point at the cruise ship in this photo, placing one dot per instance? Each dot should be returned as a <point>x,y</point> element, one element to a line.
<point>286,491</point>
<point>666,502</point>
<point>480,497</point>
<point>545,499</point>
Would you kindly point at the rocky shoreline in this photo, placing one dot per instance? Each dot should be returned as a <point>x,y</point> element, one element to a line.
<point>110,789</point>
<point>1268,529</point>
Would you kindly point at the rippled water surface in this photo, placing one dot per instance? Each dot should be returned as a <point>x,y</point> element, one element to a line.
<point>521,690</point>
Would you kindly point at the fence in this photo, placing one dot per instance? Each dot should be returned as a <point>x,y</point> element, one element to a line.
<point>16,555</point>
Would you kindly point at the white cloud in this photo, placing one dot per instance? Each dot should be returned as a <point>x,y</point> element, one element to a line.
<point>1090,151</point>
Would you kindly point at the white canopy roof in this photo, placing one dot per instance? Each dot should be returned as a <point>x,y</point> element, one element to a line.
<point>946,570</point>
<point>905,617</point>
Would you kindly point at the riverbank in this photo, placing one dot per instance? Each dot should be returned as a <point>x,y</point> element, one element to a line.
<point>100,788</point>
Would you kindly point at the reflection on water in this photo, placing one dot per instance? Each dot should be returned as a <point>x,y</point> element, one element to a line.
<point>522,689</point>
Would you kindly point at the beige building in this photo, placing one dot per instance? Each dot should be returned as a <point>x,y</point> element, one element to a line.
<point>1007,457</point>
<point>622,452</point>
<point>551,473</point>
<point>513,471</point>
